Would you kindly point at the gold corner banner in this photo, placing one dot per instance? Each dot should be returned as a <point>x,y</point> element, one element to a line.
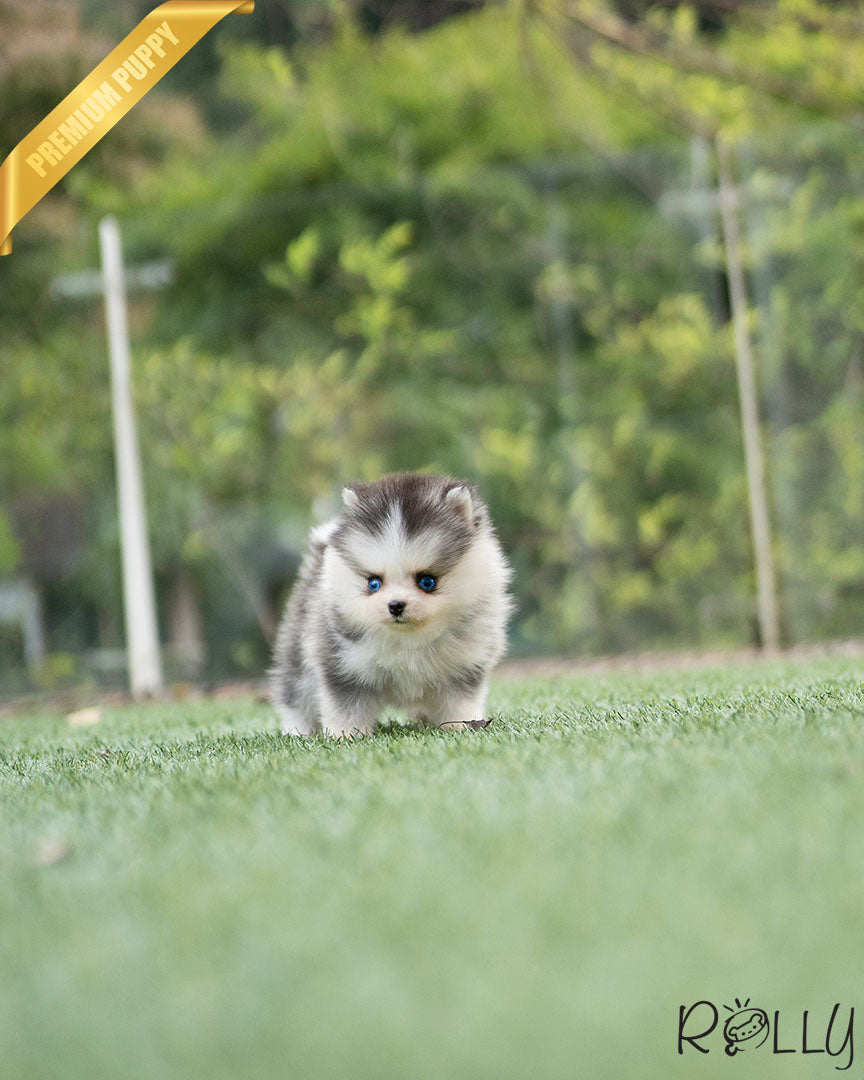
<point>97,103</point>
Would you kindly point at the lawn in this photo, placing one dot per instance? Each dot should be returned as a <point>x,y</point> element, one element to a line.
<point>186,893</point>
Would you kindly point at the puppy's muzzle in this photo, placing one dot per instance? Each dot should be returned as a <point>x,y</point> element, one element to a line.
<point>396,607</point>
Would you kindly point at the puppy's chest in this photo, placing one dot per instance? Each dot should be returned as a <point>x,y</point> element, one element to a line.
<point>402,671</point>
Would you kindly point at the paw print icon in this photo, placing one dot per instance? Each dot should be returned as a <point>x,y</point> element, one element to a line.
<point>745,1029</point>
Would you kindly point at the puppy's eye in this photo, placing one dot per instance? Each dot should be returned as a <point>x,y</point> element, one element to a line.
<point>426,582</point>
<point>374,583</point>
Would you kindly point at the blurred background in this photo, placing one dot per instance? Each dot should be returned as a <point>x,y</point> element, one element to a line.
<point>545,245</point>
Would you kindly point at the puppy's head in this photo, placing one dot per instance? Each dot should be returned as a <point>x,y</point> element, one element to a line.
<point>406,556</point>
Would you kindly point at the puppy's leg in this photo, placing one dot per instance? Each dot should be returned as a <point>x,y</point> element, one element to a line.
<point>295,699</point>
<point>347,716</point>
<point>294,721</point>
<point>455,711</point>
<point>417,715</point>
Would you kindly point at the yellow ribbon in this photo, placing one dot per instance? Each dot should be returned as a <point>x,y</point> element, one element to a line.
<point>81,119</point>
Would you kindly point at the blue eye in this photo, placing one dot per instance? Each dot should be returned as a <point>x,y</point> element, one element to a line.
<point>374,584</point>
<point>426,582</point>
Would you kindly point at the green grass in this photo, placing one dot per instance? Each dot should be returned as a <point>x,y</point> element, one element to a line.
<point>534,899</point>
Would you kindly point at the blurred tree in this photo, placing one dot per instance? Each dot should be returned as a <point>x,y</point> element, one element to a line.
<point>451,250</point>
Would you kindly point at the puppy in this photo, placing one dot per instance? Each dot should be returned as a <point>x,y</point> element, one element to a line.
<point>401,601</point>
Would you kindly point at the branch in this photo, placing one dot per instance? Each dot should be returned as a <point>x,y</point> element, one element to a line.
<point>646,41</point>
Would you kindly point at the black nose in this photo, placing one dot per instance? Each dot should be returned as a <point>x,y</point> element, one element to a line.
<point>396,607</point>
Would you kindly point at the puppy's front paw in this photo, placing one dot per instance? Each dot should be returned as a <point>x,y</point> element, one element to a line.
<point>347,730</point>
<point>452,713</point>
<point>293,722</point>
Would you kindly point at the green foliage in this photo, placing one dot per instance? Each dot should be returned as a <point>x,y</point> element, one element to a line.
<point>10,549</point>
<point>472,250</point>
<point>53,415</point>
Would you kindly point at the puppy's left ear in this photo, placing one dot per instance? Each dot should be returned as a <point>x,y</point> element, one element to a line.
<point>460,499</point>
<point>350,497</point>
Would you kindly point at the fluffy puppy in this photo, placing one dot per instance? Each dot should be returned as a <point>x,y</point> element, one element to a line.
<point>401,601</point>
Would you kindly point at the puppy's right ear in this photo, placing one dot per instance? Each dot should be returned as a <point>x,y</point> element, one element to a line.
<point>349,497</point>
<point>460,499</point>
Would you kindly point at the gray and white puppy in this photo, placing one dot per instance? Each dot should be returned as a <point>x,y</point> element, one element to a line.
<point>401,601</point>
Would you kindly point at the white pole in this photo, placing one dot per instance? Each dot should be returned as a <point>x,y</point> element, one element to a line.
<point>142,639</point>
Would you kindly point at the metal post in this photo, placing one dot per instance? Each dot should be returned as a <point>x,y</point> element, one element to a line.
<point>142,639</point>
<point>766,592</point>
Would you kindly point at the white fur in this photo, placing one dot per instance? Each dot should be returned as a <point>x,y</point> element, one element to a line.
<point>460,498</point>
<point>414,663</point>
<point>322,534</point>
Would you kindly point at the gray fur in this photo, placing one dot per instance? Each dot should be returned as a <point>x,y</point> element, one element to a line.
<point>340,658</point>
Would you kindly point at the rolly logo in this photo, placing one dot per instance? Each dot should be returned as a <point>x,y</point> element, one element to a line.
<point>745,1026</point>
<point>748,1028</point>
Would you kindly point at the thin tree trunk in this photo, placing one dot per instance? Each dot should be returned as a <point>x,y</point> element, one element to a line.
<point>760,524</point>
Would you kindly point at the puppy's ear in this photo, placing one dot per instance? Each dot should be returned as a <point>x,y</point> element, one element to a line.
<point>460,499</point>
<point>350,498</point>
